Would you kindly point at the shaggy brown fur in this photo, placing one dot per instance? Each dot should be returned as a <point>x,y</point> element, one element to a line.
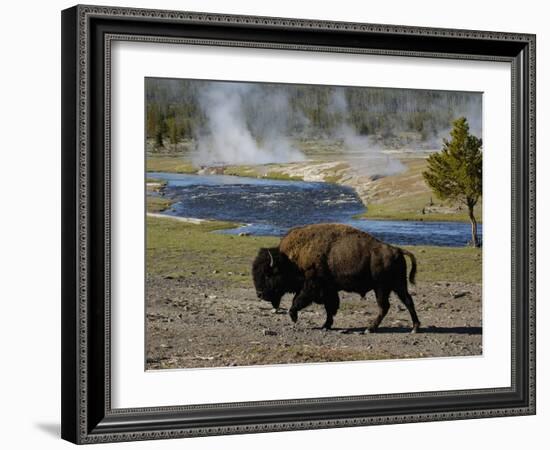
<point>317,261</point>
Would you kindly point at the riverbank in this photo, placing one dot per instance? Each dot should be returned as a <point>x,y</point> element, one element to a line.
<point>202,309</point>
<point>402,196</point>
<point>405,196</point>
<point>271,207</point>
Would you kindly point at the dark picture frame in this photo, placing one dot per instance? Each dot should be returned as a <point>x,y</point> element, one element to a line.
<point>87,34</point>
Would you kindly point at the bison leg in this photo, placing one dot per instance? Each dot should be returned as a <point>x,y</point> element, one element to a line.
<point>332,303</point>
<point>382,300</point>
<point>305,298</point>
<point>407,300</point>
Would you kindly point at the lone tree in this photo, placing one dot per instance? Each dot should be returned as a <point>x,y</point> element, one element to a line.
<point>455,173</point>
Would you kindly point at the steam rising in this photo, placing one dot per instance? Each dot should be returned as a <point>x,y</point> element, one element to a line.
<point>229,139</point>
<point>371,158</point>
<point>253,124</point>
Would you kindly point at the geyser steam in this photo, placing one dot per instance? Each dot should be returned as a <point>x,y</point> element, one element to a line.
<point>229,138</point>
<point>363,155</point>
<point>243,123</point>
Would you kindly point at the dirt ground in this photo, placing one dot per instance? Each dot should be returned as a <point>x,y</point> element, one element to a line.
<point>194,323</point>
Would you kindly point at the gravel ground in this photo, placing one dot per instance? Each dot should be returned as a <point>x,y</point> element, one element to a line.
<point>192,323</point>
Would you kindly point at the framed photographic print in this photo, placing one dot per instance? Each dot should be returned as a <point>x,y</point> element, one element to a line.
<point>278,224</point>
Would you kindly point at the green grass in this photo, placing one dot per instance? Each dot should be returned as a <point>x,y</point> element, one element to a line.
<point>447,263</point>
<point>157,204</point>
<point>155,180</point>
<point>276,175</point>
<point>169,164</point>
<point>255,172</point>
<point>242,171</point>
<point>410,208</point>
<point>180,249</point>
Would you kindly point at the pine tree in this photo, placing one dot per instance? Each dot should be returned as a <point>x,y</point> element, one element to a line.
<point>159,139</point>
<point>173,131</point>
<point>161,131</point>
<point>455,173</point>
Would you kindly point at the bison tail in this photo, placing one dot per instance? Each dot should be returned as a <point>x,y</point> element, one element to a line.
<point>412,274</point>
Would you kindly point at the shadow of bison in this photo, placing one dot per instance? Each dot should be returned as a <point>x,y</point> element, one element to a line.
<point>315,262</point>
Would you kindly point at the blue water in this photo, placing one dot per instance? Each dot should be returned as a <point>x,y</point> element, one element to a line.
<point>272,207</point>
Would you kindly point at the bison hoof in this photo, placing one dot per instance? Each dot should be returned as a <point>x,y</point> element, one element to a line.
<point>293,315</point>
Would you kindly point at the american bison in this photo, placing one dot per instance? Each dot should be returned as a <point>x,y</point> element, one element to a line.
<point>315,262</point>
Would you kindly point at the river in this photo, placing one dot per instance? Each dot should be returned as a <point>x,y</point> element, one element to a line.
<point>272,207</point>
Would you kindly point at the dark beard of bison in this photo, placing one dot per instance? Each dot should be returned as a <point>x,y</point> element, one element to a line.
<point>274,275</point>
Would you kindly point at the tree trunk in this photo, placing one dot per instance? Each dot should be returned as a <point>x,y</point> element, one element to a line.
<point>475,241</point>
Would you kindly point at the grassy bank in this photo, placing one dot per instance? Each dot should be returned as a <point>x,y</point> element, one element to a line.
<point>242,171</point>
<point>411,209</point>
<point>405,196</point>
<point>170,164</point>
<point>178,249</point>
<point>157,204</point>
<point>173,164</point>
<point>440,264</point>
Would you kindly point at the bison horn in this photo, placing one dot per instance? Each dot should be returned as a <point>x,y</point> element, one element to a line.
<point>271,262</point>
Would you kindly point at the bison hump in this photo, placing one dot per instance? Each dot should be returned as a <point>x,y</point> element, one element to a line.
<point>311,247</point>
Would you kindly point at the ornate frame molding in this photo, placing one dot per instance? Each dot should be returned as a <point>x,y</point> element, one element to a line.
<point>84,423</point>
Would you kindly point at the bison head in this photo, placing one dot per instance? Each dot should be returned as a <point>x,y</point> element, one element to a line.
<point>274,275</point>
